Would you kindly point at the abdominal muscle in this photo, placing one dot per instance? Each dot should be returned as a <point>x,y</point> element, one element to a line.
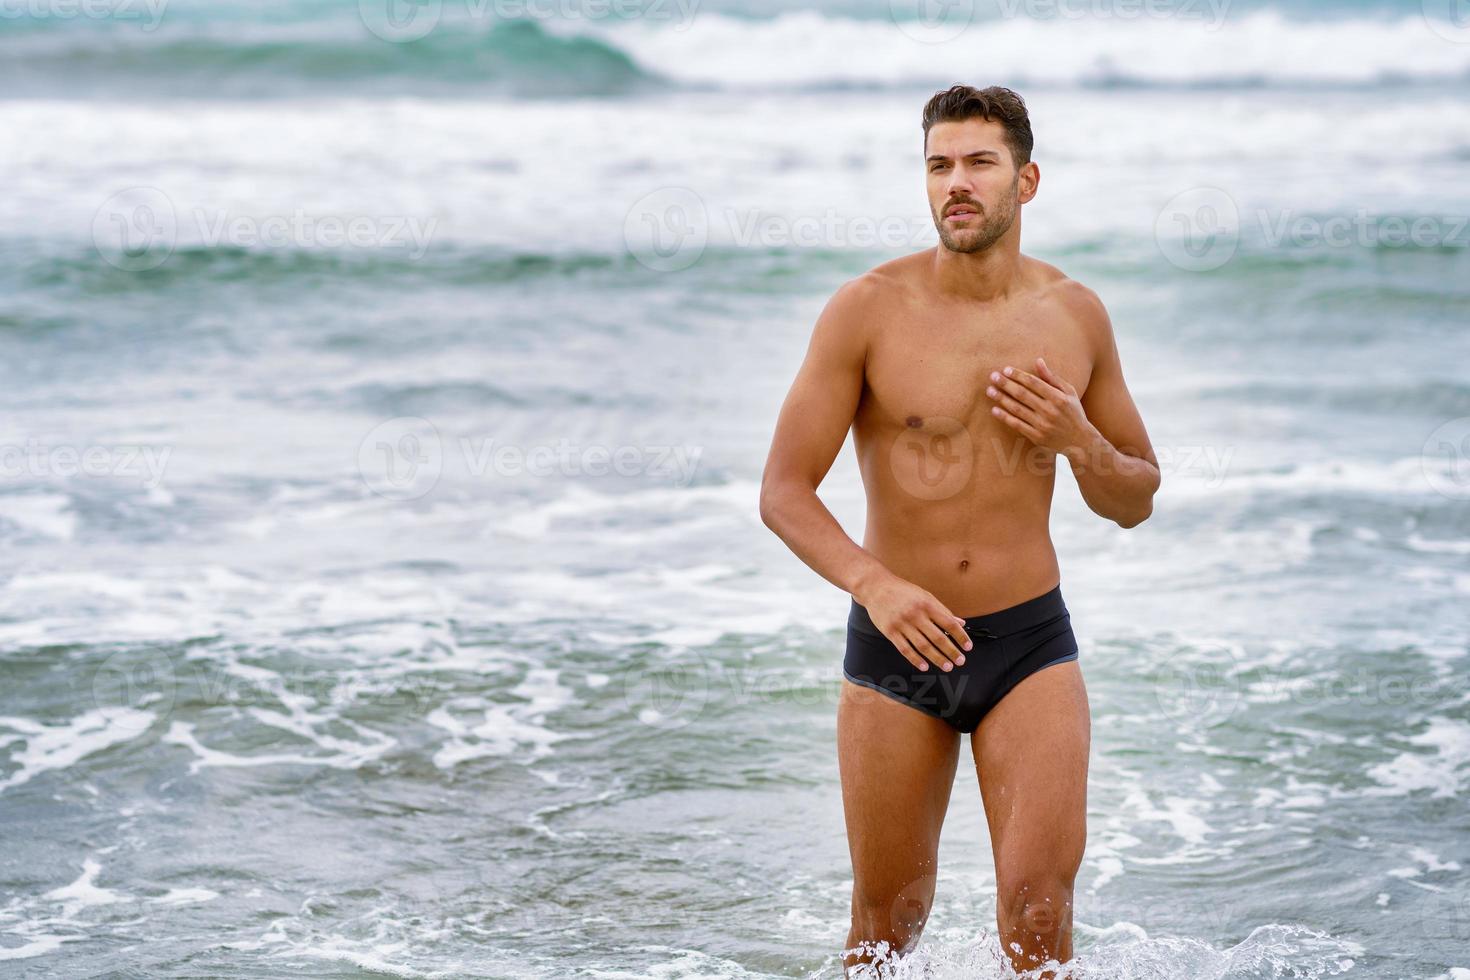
<point>979,547</point>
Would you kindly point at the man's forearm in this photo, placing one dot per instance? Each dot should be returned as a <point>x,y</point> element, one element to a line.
<point>800,519</point>
<point>1115,484</point>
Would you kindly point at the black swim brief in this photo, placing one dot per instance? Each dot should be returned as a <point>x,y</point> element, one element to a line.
<point>1009,646</point>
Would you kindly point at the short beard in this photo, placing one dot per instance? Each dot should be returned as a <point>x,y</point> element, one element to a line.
<point>993,225</point>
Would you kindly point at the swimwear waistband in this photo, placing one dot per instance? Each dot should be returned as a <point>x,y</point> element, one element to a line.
<point>1002,622</point>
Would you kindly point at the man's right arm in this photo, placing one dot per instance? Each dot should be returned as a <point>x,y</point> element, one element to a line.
<point>813,424</point>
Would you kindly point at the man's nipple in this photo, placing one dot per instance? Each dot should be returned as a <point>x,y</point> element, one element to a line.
<point>913,421</point>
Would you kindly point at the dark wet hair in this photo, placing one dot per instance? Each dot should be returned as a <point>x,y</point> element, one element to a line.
<point>996,103</point>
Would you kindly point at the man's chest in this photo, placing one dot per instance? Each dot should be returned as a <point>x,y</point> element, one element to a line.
<point>933,369</point>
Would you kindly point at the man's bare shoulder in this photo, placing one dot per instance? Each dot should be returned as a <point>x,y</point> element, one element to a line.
<point>1079,301</point>
<point>884,284</point>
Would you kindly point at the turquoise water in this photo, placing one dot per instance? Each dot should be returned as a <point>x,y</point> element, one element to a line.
<point>385,591</point>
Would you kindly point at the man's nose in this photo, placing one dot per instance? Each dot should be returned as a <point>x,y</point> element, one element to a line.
<point>959,184</point>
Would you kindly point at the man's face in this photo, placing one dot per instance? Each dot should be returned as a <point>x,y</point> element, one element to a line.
<point>973,183</point>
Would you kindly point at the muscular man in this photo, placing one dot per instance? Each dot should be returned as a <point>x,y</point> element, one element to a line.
<point>963,371</point>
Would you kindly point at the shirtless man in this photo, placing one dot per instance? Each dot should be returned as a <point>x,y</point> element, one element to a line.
<point>963,372</point>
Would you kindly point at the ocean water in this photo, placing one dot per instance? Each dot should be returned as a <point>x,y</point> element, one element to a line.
<point>385,396</point>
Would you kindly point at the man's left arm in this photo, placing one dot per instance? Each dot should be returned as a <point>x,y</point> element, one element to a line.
<point>1100,433</point>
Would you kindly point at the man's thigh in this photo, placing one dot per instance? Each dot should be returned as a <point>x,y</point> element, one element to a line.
<point>898,767</point>
<point>1031,753</point>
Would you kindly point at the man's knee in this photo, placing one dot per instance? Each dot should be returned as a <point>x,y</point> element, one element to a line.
<point>1038,904</point>
<point>897,918</point>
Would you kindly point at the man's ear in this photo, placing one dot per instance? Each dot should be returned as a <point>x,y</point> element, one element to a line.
<point>1028,181</point>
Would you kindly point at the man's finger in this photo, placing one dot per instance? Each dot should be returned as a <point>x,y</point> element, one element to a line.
<point>1032,382</point>
<point>910,653</point>
<point>1015,408</point>
<point>1026,430</point>
<point>952,625</point>
<point>1019,392</point>
<point>1052,378</point>
<point>920,645</point>
<point>943,643</point>
<point>925,648</point>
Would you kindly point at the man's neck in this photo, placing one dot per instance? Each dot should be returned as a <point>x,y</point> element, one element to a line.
<point>982,277</point>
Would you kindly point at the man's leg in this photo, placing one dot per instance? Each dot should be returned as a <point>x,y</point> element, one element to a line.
<point>898,767</point>
<point>1031,754</point>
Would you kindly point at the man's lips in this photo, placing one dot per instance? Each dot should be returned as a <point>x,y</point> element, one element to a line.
<point>960,213</point>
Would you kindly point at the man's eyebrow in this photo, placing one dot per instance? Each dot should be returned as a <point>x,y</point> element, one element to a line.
<point>973,153</point>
